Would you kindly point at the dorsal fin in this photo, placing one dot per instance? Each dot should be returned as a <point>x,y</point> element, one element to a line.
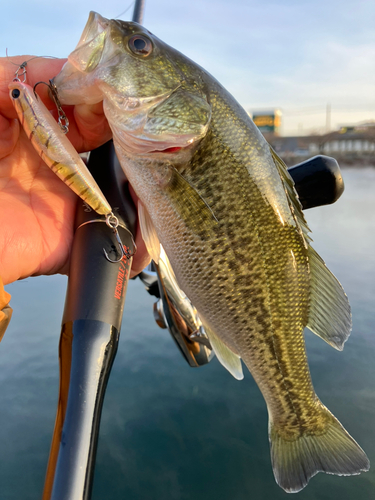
<point>295,204</point>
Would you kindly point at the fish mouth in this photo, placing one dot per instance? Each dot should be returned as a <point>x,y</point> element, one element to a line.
<point>76,81</point>
<point>95,25</point>
<point>139,132</point>
<point>173,149</point>
<point>138,143</point>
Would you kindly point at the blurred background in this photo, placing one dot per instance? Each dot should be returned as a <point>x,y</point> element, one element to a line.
<point>313,60</point>
<point>306,70</point>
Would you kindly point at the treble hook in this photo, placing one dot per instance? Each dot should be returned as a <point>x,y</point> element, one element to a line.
<point>112,221</point>
<point>35,86</point>
<point>63,119</point>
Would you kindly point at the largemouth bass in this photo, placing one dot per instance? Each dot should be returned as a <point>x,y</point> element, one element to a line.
<point>224,208</point>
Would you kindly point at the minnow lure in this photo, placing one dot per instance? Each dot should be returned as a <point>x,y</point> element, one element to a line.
<point>54,147</point>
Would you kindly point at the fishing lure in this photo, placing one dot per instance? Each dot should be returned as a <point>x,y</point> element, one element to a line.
<point>47,137</point>
<point>54,147</point>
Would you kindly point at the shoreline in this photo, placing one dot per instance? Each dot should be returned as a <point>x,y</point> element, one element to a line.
<point>344,162</point>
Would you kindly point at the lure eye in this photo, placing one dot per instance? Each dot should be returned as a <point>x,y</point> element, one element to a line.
<point>140,45</point>
<point>16,93</point>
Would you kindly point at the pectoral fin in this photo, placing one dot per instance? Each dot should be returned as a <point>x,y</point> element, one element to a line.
<point>329,316</point>
<point>227,358</point>
<point>190,205</point>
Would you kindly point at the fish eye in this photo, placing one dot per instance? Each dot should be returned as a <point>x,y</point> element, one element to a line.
<point>16,93</point>
<point>140,45</point>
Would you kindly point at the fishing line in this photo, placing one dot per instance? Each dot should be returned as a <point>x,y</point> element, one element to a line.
<point>126,10</point>
<point>32,58</point>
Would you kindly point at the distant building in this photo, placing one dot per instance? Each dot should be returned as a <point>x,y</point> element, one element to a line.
<point>359,127</point>
<point>268,121</point>
<point>350,144</point>
<point>348,141</point>
<point>295,148</point>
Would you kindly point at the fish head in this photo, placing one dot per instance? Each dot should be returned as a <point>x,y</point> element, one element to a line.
<point>155,99</point>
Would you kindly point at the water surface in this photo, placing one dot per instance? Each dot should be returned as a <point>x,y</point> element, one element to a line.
<point>170,432</point>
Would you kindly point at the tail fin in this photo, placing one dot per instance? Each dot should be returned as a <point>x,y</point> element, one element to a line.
<point>333,451</point>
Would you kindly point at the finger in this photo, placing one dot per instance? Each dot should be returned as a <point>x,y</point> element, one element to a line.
<point>88,127</point>
<point>9,133</point>
<point>92,125</point>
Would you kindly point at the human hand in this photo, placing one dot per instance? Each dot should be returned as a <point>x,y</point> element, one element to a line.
<point>36,208</point>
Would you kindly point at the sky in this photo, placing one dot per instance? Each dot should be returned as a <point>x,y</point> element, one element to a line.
<point>299,56</point>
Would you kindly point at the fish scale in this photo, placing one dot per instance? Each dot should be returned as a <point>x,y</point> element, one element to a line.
<point>224,209</point>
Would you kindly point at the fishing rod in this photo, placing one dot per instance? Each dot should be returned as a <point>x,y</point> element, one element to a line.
<point>94,307</point>
<point>138,12</point>
<point>90,332</point>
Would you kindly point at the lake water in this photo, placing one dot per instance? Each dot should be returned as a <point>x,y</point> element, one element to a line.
<point>170,432</point>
